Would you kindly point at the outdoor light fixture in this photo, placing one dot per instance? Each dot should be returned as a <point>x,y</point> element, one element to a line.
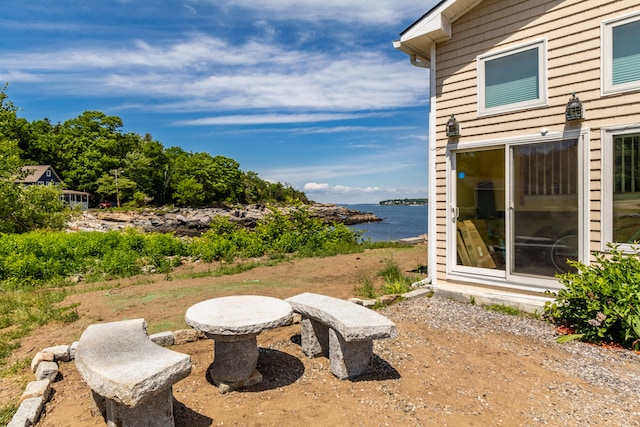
<point>453,128</point>
<point>574,108</point>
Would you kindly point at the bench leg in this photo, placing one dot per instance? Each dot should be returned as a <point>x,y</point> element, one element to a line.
<point>349,359</point>
<point>155,411</point>
<point>314,338</point>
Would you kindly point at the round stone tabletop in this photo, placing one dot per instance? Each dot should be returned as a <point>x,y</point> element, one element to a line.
<point>238,315</point>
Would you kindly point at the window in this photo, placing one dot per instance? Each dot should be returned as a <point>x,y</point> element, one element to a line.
<point>622,186</point>
<point>513,79</point>
<point>621,54</point>
<point>48,173</point>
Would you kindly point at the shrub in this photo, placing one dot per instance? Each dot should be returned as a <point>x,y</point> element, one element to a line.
<point>601,302</point>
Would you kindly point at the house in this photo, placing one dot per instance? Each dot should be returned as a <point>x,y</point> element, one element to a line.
<point>523,173</point>
<point>45,175</point>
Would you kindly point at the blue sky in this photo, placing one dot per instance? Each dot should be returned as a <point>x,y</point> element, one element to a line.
<point>310,93</point>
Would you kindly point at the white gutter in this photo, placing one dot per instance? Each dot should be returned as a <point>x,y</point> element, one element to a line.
<point>431,206</point>
<point>419,63</point>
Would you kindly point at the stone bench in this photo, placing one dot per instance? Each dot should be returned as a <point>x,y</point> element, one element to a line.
<point>130,377</point>
<point>340,330</point>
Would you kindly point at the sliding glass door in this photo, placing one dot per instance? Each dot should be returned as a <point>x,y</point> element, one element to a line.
<point>515,209</point>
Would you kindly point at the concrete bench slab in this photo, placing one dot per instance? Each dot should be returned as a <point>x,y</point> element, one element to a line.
<point>340,330</point>
<point>131,377</point>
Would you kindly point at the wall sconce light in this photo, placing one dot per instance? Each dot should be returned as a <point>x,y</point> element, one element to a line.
<point>574,111</point>
<point>453,128</point>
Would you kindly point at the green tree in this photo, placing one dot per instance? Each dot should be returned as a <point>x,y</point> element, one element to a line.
<point>121,189</point>
<point>23,209</point>
<point>189,193</point>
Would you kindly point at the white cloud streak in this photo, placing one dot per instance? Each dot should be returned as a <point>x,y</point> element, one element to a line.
<point>260,119</point>
<point>370,12</point>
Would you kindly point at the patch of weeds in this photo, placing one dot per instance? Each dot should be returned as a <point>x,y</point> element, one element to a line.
<point>367,290</point>
<point>17,366</point>
<point>378,305</point>
<point>23,311</point>
<point>395,282</point>
<point>6,413</point>
<point>504,309</point>
<point>397,287</point>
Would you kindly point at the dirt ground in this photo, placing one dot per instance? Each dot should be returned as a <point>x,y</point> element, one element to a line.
<point>426,376</point>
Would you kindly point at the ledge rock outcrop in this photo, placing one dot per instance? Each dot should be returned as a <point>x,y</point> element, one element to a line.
<point>193,222</point>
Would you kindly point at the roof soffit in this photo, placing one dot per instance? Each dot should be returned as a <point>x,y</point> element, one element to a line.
<point>433,27</point>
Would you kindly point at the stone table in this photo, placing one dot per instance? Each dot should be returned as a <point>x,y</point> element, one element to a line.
<point>233,323</point>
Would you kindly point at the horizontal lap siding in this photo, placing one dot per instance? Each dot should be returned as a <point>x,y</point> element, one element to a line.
<point>572,31</point>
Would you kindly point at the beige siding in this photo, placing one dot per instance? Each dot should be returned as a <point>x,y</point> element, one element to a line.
<point>572,31</point>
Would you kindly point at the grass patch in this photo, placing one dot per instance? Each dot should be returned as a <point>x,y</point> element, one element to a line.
<point>23,311</point>
<point>394,281</point>
<point>367,290</point>
<point>510,310</point>
<point>6,413</point>
<point>504,309</point>
<point>16,367</point>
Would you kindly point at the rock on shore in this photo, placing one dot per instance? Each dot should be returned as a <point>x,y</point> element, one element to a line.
<point>193,222</point>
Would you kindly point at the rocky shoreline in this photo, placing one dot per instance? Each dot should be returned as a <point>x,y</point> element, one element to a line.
<point>193,222</point>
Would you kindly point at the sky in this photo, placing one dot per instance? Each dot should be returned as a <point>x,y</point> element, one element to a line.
<point>309,93</point>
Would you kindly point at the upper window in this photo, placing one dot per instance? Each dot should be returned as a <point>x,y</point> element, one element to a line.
<point>513,79</point>
<point>621,54</point>
<point>48,172</point>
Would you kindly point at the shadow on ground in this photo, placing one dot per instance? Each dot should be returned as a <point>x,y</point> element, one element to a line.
<point>278,369</point>
<point>186,417</point>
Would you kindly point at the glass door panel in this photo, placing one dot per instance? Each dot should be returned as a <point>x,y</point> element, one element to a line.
<point>545,208</point>
<point>480,209</point>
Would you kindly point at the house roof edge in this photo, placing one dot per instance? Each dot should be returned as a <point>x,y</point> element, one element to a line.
<point>432,27</point>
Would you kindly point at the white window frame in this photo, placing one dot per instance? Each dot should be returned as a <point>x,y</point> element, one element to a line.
<point>606,59</point>
<point>606,206</point>
<point>542,99</point>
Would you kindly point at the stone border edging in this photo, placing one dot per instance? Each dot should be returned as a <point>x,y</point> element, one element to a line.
<point>45,366</point>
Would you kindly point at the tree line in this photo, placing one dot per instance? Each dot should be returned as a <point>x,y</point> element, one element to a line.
<point>91,153</point>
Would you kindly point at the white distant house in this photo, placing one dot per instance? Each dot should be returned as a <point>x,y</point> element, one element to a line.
<point>524,175</point>
<point>45,175</point>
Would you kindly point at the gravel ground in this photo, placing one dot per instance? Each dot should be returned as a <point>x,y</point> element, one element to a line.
<point>614,373</point>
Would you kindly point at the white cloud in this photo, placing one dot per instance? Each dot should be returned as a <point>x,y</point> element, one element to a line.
<point>257,119</point>
<point>315,186</point>
<point>372,12</point>
<point>204,73</point>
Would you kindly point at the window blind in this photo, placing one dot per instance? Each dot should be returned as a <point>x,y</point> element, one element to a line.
<point>511,79</point>
<point>626,53</point>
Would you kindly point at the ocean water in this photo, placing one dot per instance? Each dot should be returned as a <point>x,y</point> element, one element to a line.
<point>398,222</point>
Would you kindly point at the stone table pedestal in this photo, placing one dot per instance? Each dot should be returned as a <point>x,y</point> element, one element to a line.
<point>233,323</point>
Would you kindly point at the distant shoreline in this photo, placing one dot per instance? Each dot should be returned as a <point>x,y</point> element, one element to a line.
<point>403,202</point>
